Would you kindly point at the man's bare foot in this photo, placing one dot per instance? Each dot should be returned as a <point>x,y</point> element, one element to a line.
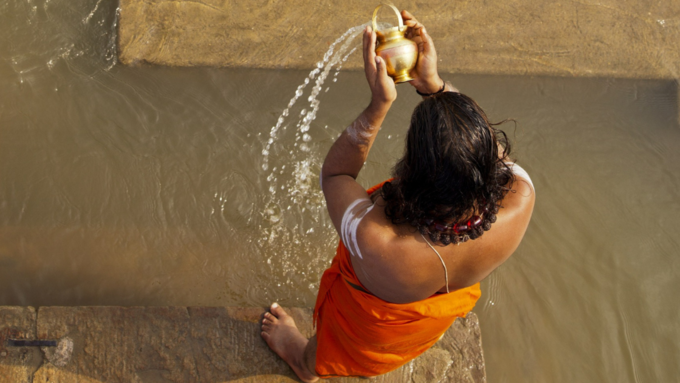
<point>284,338</point>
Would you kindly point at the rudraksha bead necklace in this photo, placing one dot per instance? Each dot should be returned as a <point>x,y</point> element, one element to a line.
<point>456,233</point>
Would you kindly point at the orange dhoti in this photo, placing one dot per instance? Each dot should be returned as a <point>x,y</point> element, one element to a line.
<point>359,334</point>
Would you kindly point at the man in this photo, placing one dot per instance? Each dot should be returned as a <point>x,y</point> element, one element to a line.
<point>395,286</point>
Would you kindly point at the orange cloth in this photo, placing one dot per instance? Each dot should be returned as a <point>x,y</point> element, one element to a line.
<point>359,334</point>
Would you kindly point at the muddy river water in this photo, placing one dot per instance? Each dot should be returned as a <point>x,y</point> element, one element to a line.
<point>174,186</point>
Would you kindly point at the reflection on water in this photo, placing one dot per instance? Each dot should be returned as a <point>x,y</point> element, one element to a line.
<point>145,186</point>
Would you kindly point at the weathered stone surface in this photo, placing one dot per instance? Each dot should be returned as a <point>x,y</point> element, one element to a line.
<point>17,364</point>
<point>579,38</point>
<point>677,84</point>
<point>199,344</point>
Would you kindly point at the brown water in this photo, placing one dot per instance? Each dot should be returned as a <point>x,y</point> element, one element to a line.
<point>146,186</point>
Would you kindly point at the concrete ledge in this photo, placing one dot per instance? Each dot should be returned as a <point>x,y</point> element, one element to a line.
<point>604,38</point>
<point>195,344</point>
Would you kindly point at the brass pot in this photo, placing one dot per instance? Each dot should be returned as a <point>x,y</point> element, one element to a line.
<point>399,53</point>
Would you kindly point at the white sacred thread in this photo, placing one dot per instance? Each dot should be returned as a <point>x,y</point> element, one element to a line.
<point>446,272</point>
<point>360,131</point>
<point>350,221</point>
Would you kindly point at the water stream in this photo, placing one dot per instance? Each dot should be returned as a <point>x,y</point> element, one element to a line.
<point>295,207</point>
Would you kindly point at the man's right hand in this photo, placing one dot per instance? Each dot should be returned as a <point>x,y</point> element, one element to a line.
<point>425,76</point>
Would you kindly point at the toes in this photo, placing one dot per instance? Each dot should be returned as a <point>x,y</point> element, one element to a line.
<point>265,336</point>
<point>277,310</point>
<point>269,318</point>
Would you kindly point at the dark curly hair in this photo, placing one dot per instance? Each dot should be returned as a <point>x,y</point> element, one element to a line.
<point>451,171</point>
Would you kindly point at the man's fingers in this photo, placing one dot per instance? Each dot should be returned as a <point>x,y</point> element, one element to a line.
<point>428,44</point>
<point>412,24</point>
<point>367,44</point>
<point>380,66</point>
<point>369,52</point>
<point>412,31</point>
<point>381,72</point>
<point>406,15</point>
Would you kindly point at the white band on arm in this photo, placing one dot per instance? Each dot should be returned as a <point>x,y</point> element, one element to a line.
<point>356,211</point>
<point>360,131</point>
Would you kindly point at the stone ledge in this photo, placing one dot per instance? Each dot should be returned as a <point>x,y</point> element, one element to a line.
<point>606,38</point>
<point>18,364</point>
<point>195,344</point>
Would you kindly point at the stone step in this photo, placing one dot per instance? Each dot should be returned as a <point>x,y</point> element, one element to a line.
<point>607,38</point>
<point>190,344</point>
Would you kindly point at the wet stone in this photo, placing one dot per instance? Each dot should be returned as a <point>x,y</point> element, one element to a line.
<point>195,344</point>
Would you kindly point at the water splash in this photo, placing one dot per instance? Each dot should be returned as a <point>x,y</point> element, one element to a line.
<point>88,17</point>
<point>330,59</point>
<point>294,209</point>
<point>111,52</point>
<point>299,188</point>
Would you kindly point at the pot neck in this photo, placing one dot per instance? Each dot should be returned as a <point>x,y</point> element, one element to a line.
<point>389,35</point>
